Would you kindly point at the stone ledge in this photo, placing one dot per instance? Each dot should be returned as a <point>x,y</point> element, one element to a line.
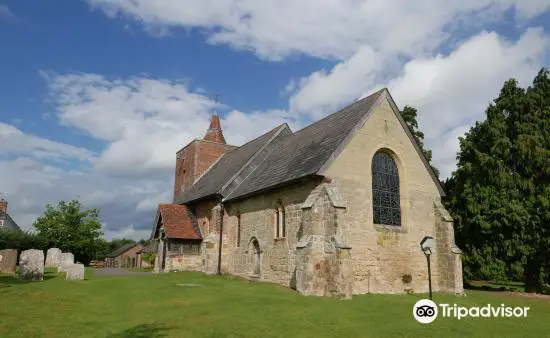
<point>390,228</point>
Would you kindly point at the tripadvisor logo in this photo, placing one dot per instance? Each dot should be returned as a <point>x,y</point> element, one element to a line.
<point>426,311</point>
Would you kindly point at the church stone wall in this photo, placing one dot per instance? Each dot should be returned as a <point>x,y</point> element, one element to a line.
<point>278,256</point>
<point>388,259</point>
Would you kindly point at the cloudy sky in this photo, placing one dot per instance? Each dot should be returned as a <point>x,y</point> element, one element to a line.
<point>97,95</point>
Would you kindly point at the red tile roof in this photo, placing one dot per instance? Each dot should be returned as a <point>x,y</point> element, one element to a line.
<point>179,222</point>
<point>214,132</point>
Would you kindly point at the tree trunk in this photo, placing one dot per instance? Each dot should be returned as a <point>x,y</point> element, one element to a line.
<point>532,276</point>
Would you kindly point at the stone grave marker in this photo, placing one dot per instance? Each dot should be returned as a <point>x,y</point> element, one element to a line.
<point>8,261</point>
<point>31,265</point>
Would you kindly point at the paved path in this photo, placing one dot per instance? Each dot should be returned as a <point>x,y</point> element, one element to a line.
<point>118,272</point>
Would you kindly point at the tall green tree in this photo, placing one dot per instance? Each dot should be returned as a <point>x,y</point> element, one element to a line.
<point>499,195</point>
<point>71,228</point>
<point>409,114</point>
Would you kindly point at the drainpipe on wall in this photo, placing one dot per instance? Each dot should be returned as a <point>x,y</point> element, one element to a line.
<point>220,243</point>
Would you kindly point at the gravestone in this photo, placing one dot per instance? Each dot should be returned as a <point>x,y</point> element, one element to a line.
<point>31,265</point>
<point>8,261</point>
<point>53,258</point>
<point>75,272</point>
<point>67,259</point>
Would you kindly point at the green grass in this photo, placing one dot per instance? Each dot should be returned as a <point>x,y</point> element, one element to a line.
<point>156,306</point>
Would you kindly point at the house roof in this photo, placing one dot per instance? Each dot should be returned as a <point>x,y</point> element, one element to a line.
<point>151,247</point>
<point>280,157</point>
<point>231,163</point>
<point>178,222</point>
<point>9,223</point>
<point>121,250</point>
<point>305,152</point>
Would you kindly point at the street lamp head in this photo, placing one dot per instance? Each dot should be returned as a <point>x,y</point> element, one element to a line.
<point>427,244</point>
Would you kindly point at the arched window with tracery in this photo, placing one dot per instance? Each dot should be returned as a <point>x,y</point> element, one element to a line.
<point>386,202</point>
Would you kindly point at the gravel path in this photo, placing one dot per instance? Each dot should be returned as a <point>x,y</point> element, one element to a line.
<point>118,272</point>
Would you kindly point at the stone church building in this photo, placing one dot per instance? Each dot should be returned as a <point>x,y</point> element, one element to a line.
<point>334,209</point>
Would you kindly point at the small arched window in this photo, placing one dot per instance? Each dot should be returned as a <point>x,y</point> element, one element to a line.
<point>279,221</point>
<point>386,203</point>
<point>238,229</point>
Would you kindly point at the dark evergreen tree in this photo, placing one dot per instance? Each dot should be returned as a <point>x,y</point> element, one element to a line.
<point>499,195</point>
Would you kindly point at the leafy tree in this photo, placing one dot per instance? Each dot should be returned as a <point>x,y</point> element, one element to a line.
<point>118,243</point>
<point>149,257</point>
<point>409,115</point>
<point>21,241</point>
<point>71,229</point>
<point>499,195</point>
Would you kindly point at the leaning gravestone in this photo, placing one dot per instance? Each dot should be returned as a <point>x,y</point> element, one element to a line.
<point>75,272</point>
<point>8,261</point>
<point>53,258</point>
<point>31,265</point>
<point>67,259</point>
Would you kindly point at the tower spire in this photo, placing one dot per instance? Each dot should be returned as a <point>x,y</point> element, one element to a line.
<point>214,132</point>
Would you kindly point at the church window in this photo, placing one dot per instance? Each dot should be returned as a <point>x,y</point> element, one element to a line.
<point>238,229</point>
<point>385,190</point>
<point>280,221</point>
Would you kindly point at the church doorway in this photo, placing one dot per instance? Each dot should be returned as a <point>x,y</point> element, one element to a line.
<point>255,257</point>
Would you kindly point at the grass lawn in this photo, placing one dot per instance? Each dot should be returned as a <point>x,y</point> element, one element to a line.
<point>156,306</point>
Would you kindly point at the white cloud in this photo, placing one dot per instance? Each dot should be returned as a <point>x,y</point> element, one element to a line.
<point>14,140</point>
<point>126,232</point>
<point>322,92</point>
<point>450,91</point>
<point>143,121</point>
<point>324,28</point>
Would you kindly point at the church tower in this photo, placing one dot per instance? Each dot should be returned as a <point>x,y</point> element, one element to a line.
<point>196,157</point>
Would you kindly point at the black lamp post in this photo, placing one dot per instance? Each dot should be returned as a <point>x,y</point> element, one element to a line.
<point>427,244</point>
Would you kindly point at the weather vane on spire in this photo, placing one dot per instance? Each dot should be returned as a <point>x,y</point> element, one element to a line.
<point>216,102</point>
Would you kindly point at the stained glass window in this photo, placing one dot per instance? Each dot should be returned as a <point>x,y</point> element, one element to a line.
<point>385,190</point>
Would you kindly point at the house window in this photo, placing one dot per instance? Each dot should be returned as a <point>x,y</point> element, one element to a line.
<point>238,229</point>
<point>280,221</point>
<point>1,223</point>
<point>385,190</point>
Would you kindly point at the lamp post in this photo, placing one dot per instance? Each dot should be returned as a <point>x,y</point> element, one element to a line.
<point>427,244</point>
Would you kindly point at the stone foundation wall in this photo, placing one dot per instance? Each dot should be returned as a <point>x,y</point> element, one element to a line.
<point>179,262</point>
<point>278,256</point>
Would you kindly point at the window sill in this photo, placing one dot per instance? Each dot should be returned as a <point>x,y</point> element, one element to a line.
<point>390,228</point>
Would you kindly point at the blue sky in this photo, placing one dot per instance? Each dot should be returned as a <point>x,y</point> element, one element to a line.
<point>96,95</point>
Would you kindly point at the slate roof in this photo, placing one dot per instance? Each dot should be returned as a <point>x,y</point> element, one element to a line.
<point>178,222</point>
<point>151,247</point>
<point>121,250</point>
<point>303,153</point>
<point>280,157</point>
<point>9,223</point>
<point>230,164</point>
